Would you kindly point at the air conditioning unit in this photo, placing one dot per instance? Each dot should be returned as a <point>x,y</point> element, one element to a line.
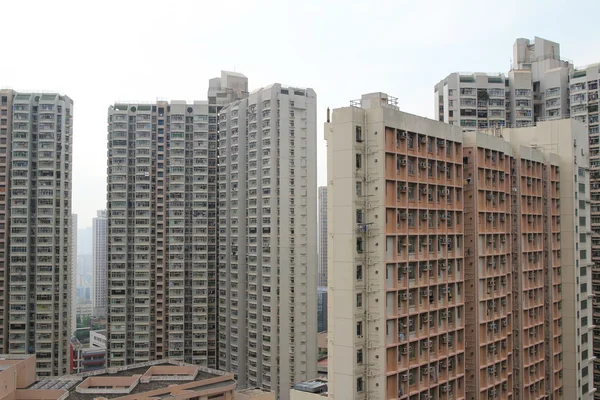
<point>404,377</point>
<point>529,163</point>
<point>501,176</point>
<point>445,388</point>
<point>402,135</point>
<point>490,218</point>
<point>422,140</point>
<point>492,348</point>
<point>503,281</point>
<point>425,267</point>
<point>502,217</point>
<point>504,385</point>
<point>505,322</point>
<point>403,216</point>
<point>441,143</point>
<point>503,238</point>
<point>424,396</point>
<point>405,350</point>
<point>442,240</point>
<point>492,327</point>
<point>503,259</point>
<point>531,294</point>
<point>442,192</point>
<point>529,201</point>
<point>490,283</point>
<point>444,315</point>
<point>503,301</point>
<point>443,216</point>
<point>424,217</point>
<point>425,344</point>
<point>424,191</point>
<point>403,188</point>
<point>423,165</point>
<point>529,181</point>
<point>424,293</point>
<point>502,196</point>
<point>403,162</point>
<point>404,296</point>
<point>442,265</point>
<point>530,237</point>
<point>530,218</point>
<point>492,369</point>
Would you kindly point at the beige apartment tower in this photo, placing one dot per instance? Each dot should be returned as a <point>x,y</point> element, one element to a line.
<point>268,238</point>
<point>449,256</point>
<point>162,227</point>
<point>39,319</point>
<point>396,254</point>
<point>6,106</point>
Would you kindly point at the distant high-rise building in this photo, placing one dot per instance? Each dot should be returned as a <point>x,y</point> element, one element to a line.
<point>41,229</point>
<point>536,88</point>
<point>162,227</point>
<point>322,236</point>
<point>99,271</point>
<point>321,309</point>
<point>73,271</point>
<point>267,238</point>
<point>452,251</point>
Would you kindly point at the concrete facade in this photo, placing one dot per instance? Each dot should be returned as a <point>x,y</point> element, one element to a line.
<point>41,230</point>
<point>396,265</point>
<point>6,106</point>
<point>267,238</point>
<point>450,255</point>
<point>584,107</point>
<point>322,236</point>
<point>99,262</point>
<point>73,272</point>
<point>162,196</point>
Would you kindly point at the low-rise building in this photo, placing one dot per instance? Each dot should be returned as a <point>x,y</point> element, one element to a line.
<point>143,381</point>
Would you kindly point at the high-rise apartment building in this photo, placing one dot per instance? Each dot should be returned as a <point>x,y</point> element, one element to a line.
<point>6,101</point>
<point>40,236</point>
<point>322,236</point>
<point>449,258</point>
<point>73,272</point>
<point>99,263</point>
<point>396,257</point>
<point>536,88</point>
<point>566,255</point>
<point>267,238</point>
<point>584,107</point>
<point>163,227</point>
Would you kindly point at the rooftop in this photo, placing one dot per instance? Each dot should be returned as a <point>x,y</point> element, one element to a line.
<point>150,380</point>
<point>314,386</point>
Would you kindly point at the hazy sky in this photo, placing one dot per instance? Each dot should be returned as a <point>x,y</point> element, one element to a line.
<point>105,51</point>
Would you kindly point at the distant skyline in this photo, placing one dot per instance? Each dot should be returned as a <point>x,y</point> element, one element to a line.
<point>341,49</point>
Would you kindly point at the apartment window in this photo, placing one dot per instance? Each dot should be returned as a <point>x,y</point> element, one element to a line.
<point>582,204</point>
<point>584,304</point>
<point>359,300</point>
<point>359,273</point>
<point>583,288</point>
<point>359,216</point>
<point>359,137</point>
<point>584,338</point>
<point>358,161</point>
<point>410,140</point>
<point>359,189</point>
<point>359,356</point>
<point>582,221</point>
<point>359,245</point>
<point>359,329</point>
<point>582,188</point>
<point>584,322</point>
<point>359,385</point>
<point>585,387</point>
